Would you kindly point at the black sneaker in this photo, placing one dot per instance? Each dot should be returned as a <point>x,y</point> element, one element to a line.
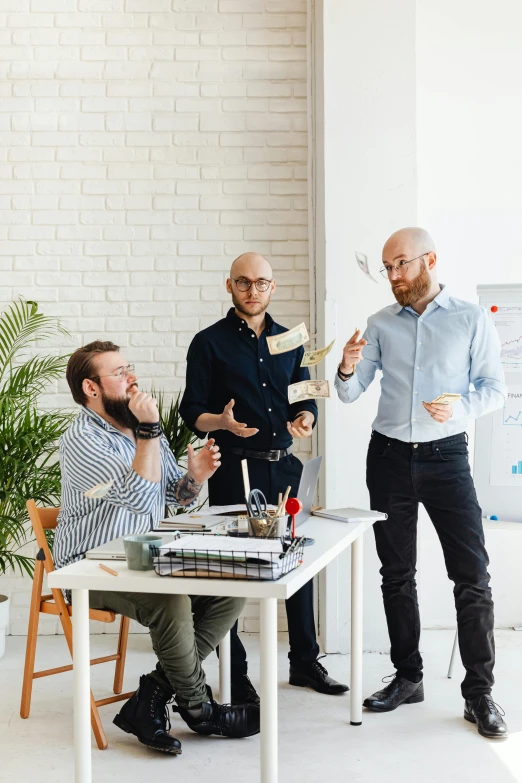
<point>315,676</point>
<point>240,720</point>
<point>146,716</point>
<point>243,692</point>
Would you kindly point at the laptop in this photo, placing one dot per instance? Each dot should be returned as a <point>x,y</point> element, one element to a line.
<point>307,487</point>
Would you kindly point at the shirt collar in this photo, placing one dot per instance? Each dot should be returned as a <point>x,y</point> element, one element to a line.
<point>97,418</point>
<point>441,300</point>
<point>234,318</point>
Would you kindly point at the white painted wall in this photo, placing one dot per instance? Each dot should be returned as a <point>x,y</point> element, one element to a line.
<point>144,144</point>
<point>469,126</point>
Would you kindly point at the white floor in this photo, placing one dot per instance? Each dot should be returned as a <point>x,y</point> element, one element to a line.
<point>416,744</point>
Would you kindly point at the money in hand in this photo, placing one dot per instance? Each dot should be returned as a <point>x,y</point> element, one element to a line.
<point>446,399</point>
<point>310,358</point>
<point>287,341</point>
<point>308,390</point>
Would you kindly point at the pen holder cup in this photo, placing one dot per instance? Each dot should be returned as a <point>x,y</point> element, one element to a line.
<point>267,527</point>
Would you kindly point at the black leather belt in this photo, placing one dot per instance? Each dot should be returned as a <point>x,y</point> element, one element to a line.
<point>272,456</point>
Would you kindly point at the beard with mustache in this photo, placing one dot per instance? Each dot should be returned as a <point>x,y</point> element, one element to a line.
<point>242,309</point>
<point>413,289</point>
<point>118,409</point>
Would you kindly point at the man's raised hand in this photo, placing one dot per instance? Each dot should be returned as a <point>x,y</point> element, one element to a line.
<point>229,423</point>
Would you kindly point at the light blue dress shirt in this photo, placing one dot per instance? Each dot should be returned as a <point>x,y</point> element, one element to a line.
<point>450,346</point>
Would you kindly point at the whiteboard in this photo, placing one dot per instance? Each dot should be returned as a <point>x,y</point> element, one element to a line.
<point>498,436</point>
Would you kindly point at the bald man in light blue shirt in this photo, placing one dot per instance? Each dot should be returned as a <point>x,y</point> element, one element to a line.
<point>427,344</point>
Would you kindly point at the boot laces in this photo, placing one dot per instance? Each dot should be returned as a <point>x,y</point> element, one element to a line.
<point>159,707</point>
<point>492,706</point>
<point>319,666</point>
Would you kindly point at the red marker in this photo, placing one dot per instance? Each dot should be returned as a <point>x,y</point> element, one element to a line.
<point>293,507</point>
<point>494,309</point>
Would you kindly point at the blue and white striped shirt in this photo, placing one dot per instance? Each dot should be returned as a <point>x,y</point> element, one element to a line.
<point>93,452</point>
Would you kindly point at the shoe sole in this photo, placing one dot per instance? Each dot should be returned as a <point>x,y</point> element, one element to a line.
<point>126,727</point>
<point>415,699</point>
<point>471,719</point>
<point>305,684</point>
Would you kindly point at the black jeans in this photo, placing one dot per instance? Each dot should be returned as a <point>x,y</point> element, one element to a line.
<point>399,477</point>
<point>226,487</point>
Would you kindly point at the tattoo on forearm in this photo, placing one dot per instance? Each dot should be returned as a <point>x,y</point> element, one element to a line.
<point>187,489</point>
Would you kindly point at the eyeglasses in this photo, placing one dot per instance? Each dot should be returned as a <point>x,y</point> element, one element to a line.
<point>119,373</point>
<point>402,266</point>
<point>245,285</point>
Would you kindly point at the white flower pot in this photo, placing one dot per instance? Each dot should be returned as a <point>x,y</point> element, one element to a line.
<point>4,621</point>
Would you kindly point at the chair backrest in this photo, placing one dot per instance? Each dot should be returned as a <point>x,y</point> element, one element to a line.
<point>43,519</point>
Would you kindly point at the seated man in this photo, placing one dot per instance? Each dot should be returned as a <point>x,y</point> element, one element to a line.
<point>116,445</point>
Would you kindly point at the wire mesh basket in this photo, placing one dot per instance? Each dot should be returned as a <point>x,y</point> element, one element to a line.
<point>237,563</point>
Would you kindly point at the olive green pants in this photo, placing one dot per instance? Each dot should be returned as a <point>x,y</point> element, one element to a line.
<point>184,630</point>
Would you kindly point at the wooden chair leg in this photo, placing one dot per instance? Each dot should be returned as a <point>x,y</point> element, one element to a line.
<point>97,726</point>
<point>122,652</point>
<point>32,636</point>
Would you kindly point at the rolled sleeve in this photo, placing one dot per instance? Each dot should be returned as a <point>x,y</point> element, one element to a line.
<point>91,460</point>
<point>351,389</point>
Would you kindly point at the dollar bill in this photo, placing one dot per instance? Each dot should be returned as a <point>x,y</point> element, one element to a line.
<point>310,358</point>
<point>362,263</point>
<point>287,341</point>
<point>446,399</point>
<point>308,390</point>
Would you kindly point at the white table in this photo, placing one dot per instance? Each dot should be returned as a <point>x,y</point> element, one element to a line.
<point>331,538</point>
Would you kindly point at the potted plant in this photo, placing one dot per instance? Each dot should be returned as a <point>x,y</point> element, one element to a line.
<point>28,435</point>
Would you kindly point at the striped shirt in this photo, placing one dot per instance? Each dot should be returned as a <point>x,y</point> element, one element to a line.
<point>93,452</point>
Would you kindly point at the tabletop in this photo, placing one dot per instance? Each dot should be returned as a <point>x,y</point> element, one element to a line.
<point>331,538</point>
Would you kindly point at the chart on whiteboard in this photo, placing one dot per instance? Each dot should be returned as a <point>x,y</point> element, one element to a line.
<point>506,442</point>
<point>508,322</point>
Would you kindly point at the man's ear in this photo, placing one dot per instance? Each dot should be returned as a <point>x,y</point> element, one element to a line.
<point>432,260</point>
<point>229,285</point>
<point>90,388</point>
<point>273,286</point>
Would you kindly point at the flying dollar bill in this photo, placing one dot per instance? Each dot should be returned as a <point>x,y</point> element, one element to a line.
<point>308,390</point>
<point>99,490</point>
<point>362,263</point>
<point>310,358</point>
<point>287,341</point>
<point>446,399</point>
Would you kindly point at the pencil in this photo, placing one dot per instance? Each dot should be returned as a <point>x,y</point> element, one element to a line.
<point>109,570</point>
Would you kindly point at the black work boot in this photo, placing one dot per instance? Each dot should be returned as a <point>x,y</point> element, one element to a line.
<point>487,715</point>
<point>239,720</point>
<point>146,716</point>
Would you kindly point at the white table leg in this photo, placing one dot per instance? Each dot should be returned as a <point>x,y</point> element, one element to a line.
<point>269,690</point>
<point>82,687</point>
<point>224,670</point>
<point>357,636</point>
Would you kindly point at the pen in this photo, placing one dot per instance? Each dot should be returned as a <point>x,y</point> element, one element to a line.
<point>109,570</point>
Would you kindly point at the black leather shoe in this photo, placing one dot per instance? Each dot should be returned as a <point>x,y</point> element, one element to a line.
<point>487,715</point>
<point>146,716</point>
<point>240,720</point>
<point>243,692</point>
<point>315,676</point>
<point>398,691</point>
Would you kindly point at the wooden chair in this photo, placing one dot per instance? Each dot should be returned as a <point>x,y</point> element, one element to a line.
<point>47,519</point>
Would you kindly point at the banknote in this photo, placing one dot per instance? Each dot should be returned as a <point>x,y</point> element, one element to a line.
<point>99,490</point>
<point>310,358</point>
<point>287,341</point>
<point>362,263</point>
<point>308,390</point>
<point>446,399</point>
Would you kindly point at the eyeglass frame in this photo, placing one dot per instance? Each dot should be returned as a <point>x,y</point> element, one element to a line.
<point>130,368</point>
<point>386,273</point>
<point>251,283</point>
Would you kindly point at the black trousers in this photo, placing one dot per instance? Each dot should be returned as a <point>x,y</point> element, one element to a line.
<point>226,487</point>
<point>399,477</point>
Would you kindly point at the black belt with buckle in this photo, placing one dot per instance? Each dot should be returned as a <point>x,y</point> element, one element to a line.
<point>272,456</point>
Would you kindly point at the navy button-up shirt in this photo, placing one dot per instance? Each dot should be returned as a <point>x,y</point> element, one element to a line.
<point>227,361</point>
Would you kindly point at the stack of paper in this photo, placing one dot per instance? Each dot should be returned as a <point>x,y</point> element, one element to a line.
<point>201,555</point>
<point>191,523</point>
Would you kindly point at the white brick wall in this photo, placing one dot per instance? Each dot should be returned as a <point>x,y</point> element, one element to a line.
<point>144,144</point>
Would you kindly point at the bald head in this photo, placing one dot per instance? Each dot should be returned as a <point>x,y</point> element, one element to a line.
<point>251,265</point>
<point>409,242</point>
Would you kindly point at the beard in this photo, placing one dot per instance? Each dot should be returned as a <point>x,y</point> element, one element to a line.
<point>118,409</point>
<point>240,307</point>
<point>414,289</point>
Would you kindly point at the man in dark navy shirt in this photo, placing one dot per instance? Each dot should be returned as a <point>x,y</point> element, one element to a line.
<point>238,390</point>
